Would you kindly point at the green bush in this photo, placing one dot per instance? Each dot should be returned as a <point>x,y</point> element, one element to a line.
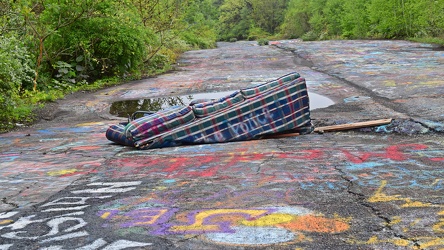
<point>263,41</point>
<point>256,33</point>
<point>98,47</point>
<point>15,73</point>
<point>310,36</point>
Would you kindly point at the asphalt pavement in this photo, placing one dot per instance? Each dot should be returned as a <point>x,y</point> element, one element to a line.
<point>65,186</point>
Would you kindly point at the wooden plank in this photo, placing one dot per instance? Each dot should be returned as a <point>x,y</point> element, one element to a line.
<point>339,127</point>
<point>349,126</point>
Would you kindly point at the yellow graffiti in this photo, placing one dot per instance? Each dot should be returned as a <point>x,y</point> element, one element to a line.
<point>2,222</point>
<point>439,227</point>
<point>436,182</point>
<point>151,218</point>
<point>395,220</point>
<point>398,242</point>
<point>105,215</point>
<point>410,203</point>
<point>89,124</point>
<point>433,242</point>
<point>390,83</point>
<point>62,172</point>
<point>308,223</point>
<point>426,242</point>
<point>380,196</point>
<point>202,218</point>
<point>415,222</point>
<point>437,82</point>
<point>268,220</point>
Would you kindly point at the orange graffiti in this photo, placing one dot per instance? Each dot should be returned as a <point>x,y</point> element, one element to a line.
<point>318,224</point>
<point>86,148</point>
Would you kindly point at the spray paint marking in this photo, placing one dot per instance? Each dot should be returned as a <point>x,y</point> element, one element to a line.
<point>433,219</point>
<point>61,220</point>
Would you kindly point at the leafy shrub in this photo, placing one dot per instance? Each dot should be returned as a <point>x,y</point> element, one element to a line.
<point>310,36</point>
<point>99,47</point>
<point>15,73</point>
<point>256,33</point>
<point>263,41</point>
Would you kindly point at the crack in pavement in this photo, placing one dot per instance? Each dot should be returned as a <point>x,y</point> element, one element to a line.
<point>427,126</point>
<point>361,201</point>
<point>5,201</point>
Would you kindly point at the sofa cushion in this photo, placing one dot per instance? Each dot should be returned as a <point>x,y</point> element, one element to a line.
<point>206,108</point>
<point>260,89</point>
<point>159,122</point>
<point>116,133</point>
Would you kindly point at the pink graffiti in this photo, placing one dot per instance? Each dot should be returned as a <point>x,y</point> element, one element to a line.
<point>213,164</point>
<point>392,152</point>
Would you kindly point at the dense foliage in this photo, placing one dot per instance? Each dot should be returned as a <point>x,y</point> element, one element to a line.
<point>51,47</point>
<point>327,19</point>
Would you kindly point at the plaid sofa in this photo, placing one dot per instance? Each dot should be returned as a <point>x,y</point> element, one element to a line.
<point>273,107</point>
<point>116,133</point>
<point>159,122</point>
<point>203,109</point>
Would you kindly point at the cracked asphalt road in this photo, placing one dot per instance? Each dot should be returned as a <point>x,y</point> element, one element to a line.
<point>64,186</point>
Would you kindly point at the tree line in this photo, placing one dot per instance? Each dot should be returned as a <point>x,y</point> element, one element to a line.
<point>332,19</point>
<point>51,47</point>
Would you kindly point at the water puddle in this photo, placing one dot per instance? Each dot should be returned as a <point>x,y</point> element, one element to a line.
<point>127,107</point>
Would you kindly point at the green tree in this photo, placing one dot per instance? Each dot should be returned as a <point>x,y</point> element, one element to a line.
<point>268,15</point>
<point>317,21</point>
<point>428,16</point>
<point>10,20</point>
<point>389,18</point>
<point>354,20</point>
<point>333,11</point>
<point>235,19</point>
<point>15,72</point>
<point>44,19</point>
<point>296,19</point>
<point>96,38</point>
<point>200,20</point>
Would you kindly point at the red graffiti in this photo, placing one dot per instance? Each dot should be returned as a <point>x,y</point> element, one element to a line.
<point>437,159</point>
<point>392,152</point>
<point>214,164</point>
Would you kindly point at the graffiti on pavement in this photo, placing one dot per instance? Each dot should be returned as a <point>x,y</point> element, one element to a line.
<point>246,226</point>
<point>415,215</point>
<point>62,219</point>
<point>315,171</point>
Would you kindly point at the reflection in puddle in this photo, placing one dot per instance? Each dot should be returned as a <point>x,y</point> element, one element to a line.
<point>128,107</point>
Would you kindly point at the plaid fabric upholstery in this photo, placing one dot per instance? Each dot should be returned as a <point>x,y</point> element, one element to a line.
<point>116,134</point>
<point>196,101</point>
<point>158,123</point>
<point>284,108</point>
<point>251,92</point>
<point>206,108</point>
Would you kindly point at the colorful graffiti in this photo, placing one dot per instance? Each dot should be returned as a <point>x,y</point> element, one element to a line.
<point>315,169</point>
<point>415,216</point>
<point>173,203</point>
<point>63,220</point>
<point>245,226</point>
